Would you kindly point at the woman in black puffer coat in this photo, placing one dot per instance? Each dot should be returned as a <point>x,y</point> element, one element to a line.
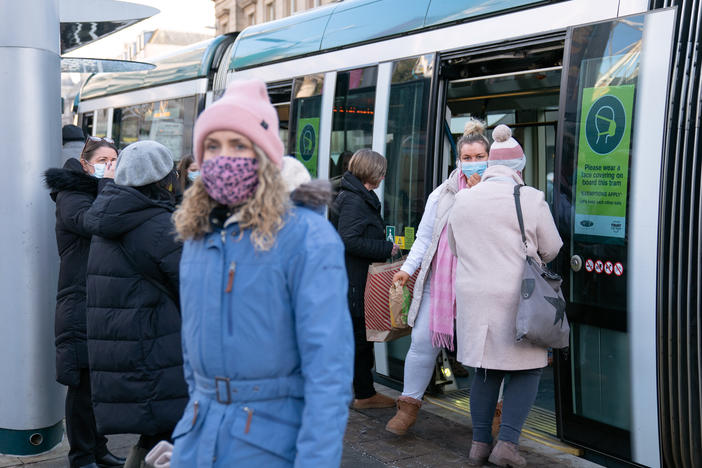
<point>74,188</point>
<point>134,339</point>
<point>356,215</point>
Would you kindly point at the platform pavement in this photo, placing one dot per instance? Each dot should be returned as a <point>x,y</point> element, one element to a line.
<point>440,438</point>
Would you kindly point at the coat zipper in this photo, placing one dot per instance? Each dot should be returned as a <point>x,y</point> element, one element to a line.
<point>230,277</point>
<point>223,233</point>
<point>195,408</point>
<point>248,419</point>
<point>229,288</point>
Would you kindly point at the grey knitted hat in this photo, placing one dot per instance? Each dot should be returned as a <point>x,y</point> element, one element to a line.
<point>143,163</point>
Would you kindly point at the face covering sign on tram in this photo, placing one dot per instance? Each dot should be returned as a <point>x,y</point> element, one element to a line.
<point>603,161</point>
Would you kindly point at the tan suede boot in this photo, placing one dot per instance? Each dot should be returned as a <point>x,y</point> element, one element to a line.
<point>407,409</point>
<point>376,401</point>
<point>506,454</point>
<point>479,452</point>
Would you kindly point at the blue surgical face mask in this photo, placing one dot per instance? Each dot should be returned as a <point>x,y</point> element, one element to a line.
<point>192,175</point>
<point>470,168</point>
<point>99,170</point>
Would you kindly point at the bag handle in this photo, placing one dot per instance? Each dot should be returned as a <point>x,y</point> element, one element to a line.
<point>520,217</point>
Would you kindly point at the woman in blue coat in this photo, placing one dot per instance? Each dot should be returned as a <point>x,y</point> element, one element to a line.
<point>267,340</point>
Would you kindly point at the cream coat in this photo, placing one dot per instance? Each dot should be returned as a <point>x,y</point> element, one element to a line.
<point>446,194</point>
<point>484,235</point>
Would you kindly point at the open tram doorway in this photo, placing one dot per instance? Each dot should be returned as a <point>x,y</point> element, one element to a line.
<point>519,87</point>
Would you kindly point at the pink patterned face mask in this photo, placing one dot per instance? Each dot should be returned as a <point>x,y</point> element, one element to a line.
<point>230,180</point>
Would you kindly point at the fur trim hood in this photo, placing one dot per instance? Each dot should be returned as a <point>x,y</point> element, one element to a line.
<point>71,177</point>
<point>315,195</point>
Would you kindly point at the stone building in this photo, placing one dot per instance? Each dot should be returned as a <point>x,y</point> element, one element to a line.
<point>235,15</point>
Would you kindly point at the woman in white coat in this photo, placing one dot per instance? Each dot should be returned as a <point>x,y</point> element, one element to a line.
<point>433,307</point>
<point>484,234</point>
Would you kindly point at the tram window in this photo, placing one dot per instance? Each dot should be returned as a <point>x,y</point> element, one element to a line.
<point>280,95</point>
<point>100,123</point>
<point>406,147</point>
<point>352,121</point>
<point>306,110</point>
<point>88,123</point>
<point>169,122</point>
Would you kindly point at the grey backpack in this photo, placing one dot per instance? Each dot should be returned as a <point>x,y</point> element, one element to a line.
<point>541,317</point>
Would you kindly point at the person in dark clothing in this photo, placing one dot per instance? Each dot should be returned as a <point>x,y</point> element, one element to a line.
<point>188,171</point>
<point>133,314</point>
<point>74,188</point>
<point>356,215</point>
<point>72,141</point>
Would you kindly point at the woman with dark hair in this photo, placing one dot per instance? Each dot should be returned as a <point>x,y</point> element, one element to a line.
<point>133,315</point>
<point>361,227</point>
<point>74,188</point>
<point>188,171</point>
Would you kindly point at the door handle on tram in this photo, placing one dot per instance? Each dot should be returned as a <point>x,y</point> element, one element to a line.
<point>576,263</point>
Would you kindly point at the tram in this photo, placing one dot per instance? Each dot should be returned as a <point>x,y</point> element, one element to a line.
<point>603,96</point>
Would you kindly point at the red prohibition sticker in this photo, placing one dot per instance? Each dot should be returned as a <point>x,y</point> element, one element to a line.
<point>589,264</point>
<point>608,268</point>
<point>618,269</point>
<point>599,266</point>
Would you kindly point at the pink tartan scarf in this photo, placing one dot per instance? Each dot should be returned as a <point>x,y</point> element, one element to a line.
<point>442,292</point>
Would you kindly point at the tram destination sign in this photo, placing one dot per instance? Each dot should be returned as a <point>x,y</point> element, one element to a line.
<point>603,161</point>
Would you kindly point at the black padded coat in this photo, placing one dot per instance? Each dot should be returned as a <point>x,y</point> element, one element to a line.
<point>74,191</point>
<point>356,215</point>
<point>133,315</point>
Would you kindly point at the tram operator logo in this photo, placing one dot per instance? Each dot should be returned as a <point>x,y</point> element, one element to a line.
<point>605,125</point>
<point>308,140</point>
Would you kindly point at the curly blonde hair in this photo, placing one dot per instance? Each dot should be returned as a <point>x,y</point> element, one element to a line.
<point>263,213</point>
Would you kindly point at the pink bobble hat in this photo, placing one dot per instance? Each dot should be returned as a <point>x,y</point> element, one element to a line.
<point>505,150</point>
<point>246,109</point>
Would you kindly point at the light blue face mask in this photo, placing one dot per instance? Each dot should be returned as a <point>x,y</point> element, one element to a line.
<point>99,170</point>
<point>470,168</point>
<point>192,175</point>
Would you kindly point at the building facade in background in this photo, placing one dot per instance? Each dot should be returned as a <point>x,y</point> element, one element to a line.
<point>235,15</point>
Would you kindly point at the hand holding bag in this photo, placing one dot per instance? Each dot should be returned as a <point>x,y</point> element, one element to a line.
<point>380,324</point>
<point>541,317</point>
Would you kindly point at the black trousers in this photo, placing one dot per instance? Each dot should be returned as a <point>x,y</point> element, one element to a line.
<point>363,360</point>
<point>83,438</point>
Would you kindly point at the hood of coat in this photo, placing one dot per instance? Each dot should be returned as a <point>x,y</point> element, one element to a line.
<point>353,184</point>
<point>502,173</point>
<point>70,177</point>
<point>315,195</point>
<point>72,149</point>
<point>119,209</point>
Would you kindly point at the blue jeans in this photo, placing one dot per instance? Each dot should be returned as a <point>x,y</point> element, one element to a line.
<point>518,397</point>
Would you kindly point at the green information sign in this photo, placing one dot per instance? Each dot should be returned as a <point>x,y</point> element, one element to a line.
<point>603,161</point>
<point>307,145</point>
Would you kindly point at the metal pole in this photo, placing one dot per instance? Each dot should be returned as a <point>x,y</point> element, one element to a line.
<point>31,402</point>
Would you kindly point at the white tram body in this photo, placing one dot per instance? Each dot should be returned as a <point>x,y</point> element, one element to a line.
<point>403,77</point>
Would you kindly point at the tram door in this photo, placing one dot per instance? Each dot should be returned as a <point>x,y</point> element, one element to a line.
<point>520,88</point>
<point>607,80</point>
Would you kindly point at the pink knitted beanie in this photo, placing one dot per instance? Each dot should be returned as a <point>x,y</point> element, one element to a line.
<point>245,108</point>
<point>504,146</point>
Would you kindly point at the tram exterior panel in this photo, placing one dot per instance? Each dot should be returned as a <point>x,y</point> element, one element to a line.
<point>532,67</point>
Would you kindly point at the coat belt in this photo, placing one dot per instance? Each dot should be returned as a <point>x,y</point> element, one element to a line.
<point>226,390</point>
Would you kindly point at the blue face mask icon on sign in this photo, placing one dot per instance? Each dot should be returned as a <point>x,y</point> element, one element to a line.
<point>470,168</point>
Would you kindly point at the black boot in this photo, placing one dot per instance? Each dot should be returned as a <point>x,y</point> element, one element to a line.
<point>108,460</point>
